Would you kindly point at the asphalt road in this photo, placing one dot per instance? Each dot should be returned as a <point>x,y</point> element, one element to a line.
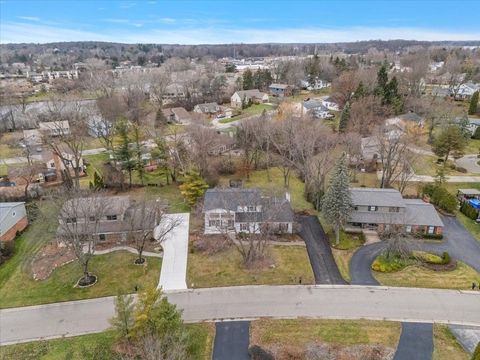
<point>232,339</point>
<point>416,342</point>
<point>323,264</point>
<point>251,302</point>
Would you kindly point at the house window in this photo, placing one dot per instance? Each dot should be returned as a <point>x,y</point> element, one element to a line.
<point>111,217</point>
<point>393,209</point>
<point>283,228</point>
<point>91,218</point>
<point>356,207</point>
<point>52,165</point>
<point>101,237</point>
<point>71,220</point>
<point>372,208</point>
<point>408,229</point>
<point>251,209</point>
<point>214,223</point>
<point>244,227</point>
<point>431,229</point>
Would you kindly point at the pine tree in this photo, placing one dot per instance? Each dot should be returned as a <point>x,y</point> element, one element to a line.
<point>123,321</point>
<point>123,153</point>
<point>247,80</point>
<point>382,80</point>
<point>450,140</point>
<point>360,92</point>
<point>344,118</point>
<point>472,110</point>
<point>337,202</point>
<point>193,187</point>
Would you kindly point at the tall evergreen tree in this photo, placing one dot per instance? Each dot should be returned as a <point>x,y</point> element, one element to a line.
<point>361,91</point>
<point>450,140</point>
<point>123,153</point>
<point>337,202</point>
<point>344,118</point>
<point>382,80</point>
<point>247,80</point>
<point>472,109</point>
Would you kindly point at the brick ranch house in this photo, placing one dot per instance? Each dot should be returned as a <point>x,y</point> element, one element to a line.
<point>13,219</point>
<point>119,218</point>
<point>380,209</point>
<point>245,210</point>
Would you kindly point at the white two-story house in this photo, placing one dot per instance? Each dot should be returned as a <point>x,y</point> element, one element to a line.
<point>245,210</point>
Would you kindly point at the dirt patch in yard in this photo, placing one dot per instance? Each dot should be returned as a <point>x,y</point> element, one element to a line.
<point>49,258</point>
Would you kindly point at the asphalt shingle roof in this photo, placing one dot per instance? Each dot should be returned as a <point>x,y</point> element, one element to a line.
<point>377,197</point>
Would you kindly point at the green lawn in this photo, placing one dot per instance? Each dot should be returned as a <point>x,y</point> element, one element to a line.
<point>419,276</point>
<point>473,146</point>
<point>259,179</point>
<point>343,252</point>
<point>256,109</point>
<point>116,274</point>
<point>226,269</point>
<point>94,346</point>
<point>340,332</point>
<point>471,225</point>
<point>446,346</point>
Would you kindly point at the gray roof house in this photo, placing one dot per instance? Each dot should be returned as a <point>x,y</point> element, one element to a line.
<point>207,108</point>
<point>382,208</point>
<point>316,108</point>
<point>13,219</point>
<point>239,98</point>
<point>280,90</point>
<point>245,210</point>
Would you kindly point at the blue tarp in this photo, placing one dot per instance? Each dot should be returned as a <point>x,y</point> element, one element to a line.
<point>475,203</point>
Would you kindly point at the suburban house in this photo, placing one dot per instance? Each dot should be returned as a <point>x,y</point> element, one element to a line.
<point>330,103</point>
<point>280,90</point>
<point>317,84</point>
<point>473,124</point>
<point>245,210</point>
<point>177,115</point>
<point>54,163</point>
<point>120,216</point>
<point>315,108</point>
<point>13,219</point>
<point>243,97</point>
<point>221,144</point>
<point>54,128</point>
<point>98,127</point>
<point>381,209</point>
<point>209,109</point>
<point>467,194</point>
<point>370,149</point>
<point>406,121</point>
<point>466,91</point>
<point>32,137</point>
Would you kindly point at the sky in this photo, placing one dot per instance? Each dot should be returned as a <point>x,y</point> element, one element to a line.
<point>224,22</point>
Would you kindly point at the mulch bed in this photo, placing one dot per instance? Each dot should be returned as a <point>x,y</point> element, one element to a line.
<point>452,265</point>
<point>49,258</point>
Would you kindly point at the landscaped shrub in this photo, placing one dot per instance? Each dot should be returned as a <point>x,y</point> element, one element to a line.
<point>432,236</point>
<point>7,249</point>
<point>469,211</point>
<point>446,258</point>
<point>429,258</point>
<point>382,264</point>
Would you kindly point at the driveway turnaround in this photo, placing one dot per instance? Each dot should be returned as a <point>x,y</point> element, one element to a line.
<point>321,258</point>
<point>173,275</point>
<point>250,302</point>
<point>361,264</point>
<point>416,342</point>
<point>232,339</point>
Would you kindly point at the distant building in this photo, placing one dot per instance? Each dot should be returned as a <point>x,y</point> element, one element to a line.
<point>13,219</point>
<point>280,90</point>
<point>243,97</point>
<point>177,115</point>
<point>317,84</point>
<point>316,108</point>
<point>174,91</point>
<point>54,128</point>
<point>330,103</point>
<point>209,109</point>
<point>466,91</point>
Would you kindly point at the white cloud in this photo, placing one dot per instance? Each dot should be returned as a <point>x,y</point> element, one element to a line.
<point>26,32</point>
<point>117,21</point>
<point>167,20</point>
<point>29,18</point>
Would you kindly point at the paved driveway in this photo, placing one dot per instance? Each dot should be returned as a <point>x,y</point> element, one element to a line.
<point>324,266</point>
<point>416,342</point>
<point>232,339</point>
<point>173,275</point>
<point>361,262</point>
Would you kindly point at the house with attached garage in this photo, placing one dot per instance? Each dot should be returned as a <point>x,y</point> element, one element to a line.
<point>315,108</point>
<point>177,115</point>
<point>120,215</point>
<point>239,210</point>
<point>243,97</point>
<point>13,219</point>
<point>280,90</point>
<point>383,209</point>
<point>209,109</point>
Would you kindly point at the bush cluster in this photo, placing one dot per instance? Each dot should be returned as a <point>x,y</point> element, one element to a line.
<point>7,249</point>
<point>440,197</point>
<point>382,264</point>
<point>432,236</point>
<point>469,211</point>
